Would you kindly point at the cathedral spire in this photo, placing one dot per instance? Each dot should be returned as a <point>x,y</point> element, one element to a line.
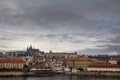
<point>30,47</point>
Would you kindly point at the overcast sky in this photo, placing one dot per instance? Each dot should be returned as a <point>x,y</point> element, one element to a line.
<point>86,26</point>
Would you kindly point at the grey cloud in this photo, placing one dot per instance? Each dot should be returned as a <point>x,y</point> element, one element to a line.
<point>64,20</point>
<point>53,16</point>
<point>7,36</point>
<point>92,51</point>
<point>62,37</point>
<point>14,36</point>
<point>113,48</point>
<point>106,49</point>
<point>116,39</point>
<point>69,37</point>
<point>111,45</point>
<point>4,46</point>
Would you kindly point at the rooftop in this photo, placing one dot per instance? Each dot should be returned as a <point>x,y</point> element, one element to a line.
<point>10,60</point>
<point>78,59</point>
<point>104,65</point>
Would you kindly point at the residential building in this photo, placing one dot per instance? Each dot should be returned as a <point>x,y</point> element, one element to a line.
<point>60,55</point>
<point>58,66</point>
<point>103,67</point>
<point>11,63</point>
<point>114,60</point>
<point>80,63</point>
<point>16,53</point>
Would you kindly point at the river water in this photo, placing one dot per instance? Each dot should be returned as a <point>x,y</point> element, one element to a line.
<point>60,77</point>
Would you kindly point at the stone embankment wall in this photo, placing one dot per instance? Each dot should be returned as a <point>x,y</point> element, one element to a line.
<point>95,73</point>
<point>67,73</point>
<point>15,73</point>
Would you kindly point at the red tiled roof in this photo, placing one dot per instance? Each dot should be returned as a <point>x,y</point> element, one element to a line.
<point>11,60</point>
<point>56,53</point>
<point>62,53</point>
<point>104,65</point>
<point>48,60</point>
<point>83,58</point>
<point>70,59</point>
<point>78,59</point>
<point>98,62</point>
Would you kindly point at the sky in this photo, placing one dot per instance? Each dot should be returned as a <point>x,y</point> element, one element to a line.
<point>86,26</point>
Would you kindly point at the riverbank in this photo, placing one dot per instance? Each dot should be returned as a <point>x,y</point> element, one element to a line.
<point>109,74</point>
<point>11,74</point>
<point>60,77</point>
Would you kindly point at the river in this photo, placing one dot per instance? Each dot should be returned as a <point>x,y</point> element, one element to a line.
<point>60,77</point>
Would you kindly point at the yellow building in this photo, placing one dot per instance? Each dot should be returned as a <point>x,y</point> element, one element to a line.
<point>80,63</point>
<point>70,63</point>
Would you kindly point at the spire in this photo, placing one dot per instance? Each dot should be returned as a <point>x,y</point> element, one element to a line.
<point>50,51</point>
<point>30,47</point>
<point>27,48</point>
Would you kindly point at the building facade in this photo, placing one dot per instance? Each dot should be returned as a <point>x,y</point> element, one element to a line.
<point>104,67</point>
<point>78,63</point>
<point>34,52</point>
<point>11,63</point>
<point>60,55</point>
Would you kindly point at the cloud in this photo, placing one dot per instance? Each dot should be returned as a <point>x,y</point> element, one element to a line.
<point>116,39</point>
<point>97,52</point>
<point>53,24</point>
<point>112,48</point>
<point>52,16</point>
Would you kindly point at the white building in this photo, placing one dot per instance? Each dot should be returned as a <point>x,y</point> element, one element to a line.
<point>104,67</point>
<point>58,66</point>
<point>113,61</point>
<point>67,69</point>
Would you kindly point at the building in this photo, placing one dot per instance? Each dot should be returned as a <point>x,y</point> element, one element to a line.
<point>16,53</point>
<point>1,53</point>
<point>80,63</point>
<point>8,63</point>
<point>72,55</point>
<point>47,61</point>
<point>34,52</point>
<point>37,55</point>
<point>58,64</point>
<point>60,55</point>
<point>114,61</point>
<point>103,67</point>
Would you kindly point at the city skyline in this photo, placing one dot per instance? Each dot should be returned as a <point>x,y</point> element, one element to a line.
<point>89,27</point>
